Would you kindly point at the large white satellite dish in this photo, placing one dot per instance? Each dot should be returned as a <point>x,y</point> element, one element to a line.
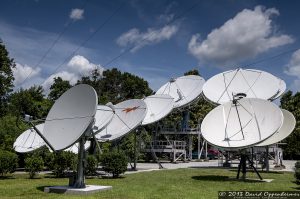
<point>158,106</point>
<point>184,89</point>
<point>128,115</point>
<point>74,147</point>
<point>289,123</point>
<point>253,83</point>
<point>103,117</point>
<point>29,140</point>
<point>70,116</point>
<point>249,122</point>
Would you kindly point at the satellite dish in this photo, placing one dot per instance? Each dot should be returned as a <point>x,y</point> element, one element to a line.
<point>128,115</point>
<point>103,117</point>
<point>247,123</point>
<point>184,89</point>
<point>29,140</point>
<point>253,83</point>
<point>289,123</point>
<point>70,116</point>
<point>282,88</point>
<point>74,148</point>
<point>158,106</point>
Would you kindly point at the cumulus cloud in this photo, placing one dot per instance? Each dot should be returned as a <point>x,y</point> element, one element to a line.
<point>82,66</point>
<point>152,36</point>
<point>249,33</point>
<point>293,67</point>
<point>76,14</point>
<point>21,72</point>
<point>77,67</point>
<point>65,75</point>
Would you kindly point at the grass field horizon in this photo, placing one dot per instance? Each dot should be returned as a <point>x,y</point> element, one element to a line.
<point>178,183</point>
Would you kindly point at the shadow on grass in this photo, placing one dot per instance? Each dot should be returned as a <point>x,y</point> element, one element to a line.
<point>223,178</point>
<point>251,171</point>
<point>211,178</point>
<point>7,177</point>
<point>41,188</point>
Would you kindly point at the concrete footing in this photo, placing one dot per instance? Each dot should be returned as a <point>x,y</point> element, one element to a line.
<point>89,189</point>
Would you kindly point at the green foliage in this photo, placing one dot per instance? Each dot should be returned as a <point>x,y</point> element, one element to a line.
<point>6,78</point>
<point>58,88</point>
<point>62,161</point>
<point>115,86</point>
<point>30,101</point>
<point>8,162</point>
<point>92,165</point>
<point>297,172</point>
<point>114,163</point>
<point>291,103</point>
<point>33,165</point>
<point>9,131</point>
<point>192,72</point>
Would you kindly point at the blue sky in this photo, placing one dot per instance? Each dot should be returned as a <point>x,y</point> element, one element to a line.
<point>211,36</point>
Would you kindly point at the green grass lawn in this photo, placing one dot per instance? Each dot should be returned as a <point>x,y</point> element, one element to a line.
<point>180,183</point>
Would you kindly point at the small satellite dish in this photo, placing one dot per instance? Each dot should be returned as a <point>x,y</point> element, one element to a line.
<point>289,123</point>
<point>74,148</point>
<point>128,115</point>
<point>29,140</point>
<point>70,116</point>
<point>158,106</point>
<point>282,88</point>
<point>103,117</point>
<point>222,87</point>
<point>243,124</point>
<point>184,89</point>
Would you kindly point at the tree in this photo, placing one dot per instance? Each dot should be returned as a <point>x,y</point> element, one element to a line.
<point>58,88</point>
<point>192,72</point>
<point>291,103</point>
<point>9,131</point>
<point>114,163</point>
<point>30,101</point>
<point>8,162</point>
<point>33,165</point>
<point>115,86</point>
<point>6,77</point>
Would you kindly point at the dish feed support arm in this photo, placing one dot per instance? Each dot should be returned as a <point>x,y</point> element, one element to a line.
<point>42,136</point>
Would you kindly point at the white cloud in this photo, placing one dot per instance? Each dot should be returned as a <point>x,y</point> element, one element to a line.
<point>76,14</point>
<point>82,66</point>
<point>65,75</point>
<point>249,33</point>
<point>152,36</point>
<point>21,72</point>
<point>293,67</point>
<point>77,67</point>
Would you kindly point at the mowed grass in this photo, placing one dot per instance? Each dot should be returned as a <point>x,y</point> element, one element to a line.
<point>179,183</point>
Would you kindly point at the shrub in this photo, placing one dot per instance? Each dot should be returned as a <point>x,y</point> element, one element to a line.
<point>92,165</point>
<point>61,162</point>
<point>8,162</point>
<point>33,165</point>
<point>114,163</point>
<point>297,172</point>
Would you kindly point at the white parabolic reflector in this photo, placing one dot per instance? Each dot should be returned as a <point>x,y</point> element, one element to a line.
<point>74,147</point>
<point>103,117</point>
<point>128,115</point>
<point>184,89</point>
<point>158,106</point>
<point>253,121</point>
<point>29,140</point>
<point>70,116</point>
<point>289,123</point>
<point>254,83</point>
